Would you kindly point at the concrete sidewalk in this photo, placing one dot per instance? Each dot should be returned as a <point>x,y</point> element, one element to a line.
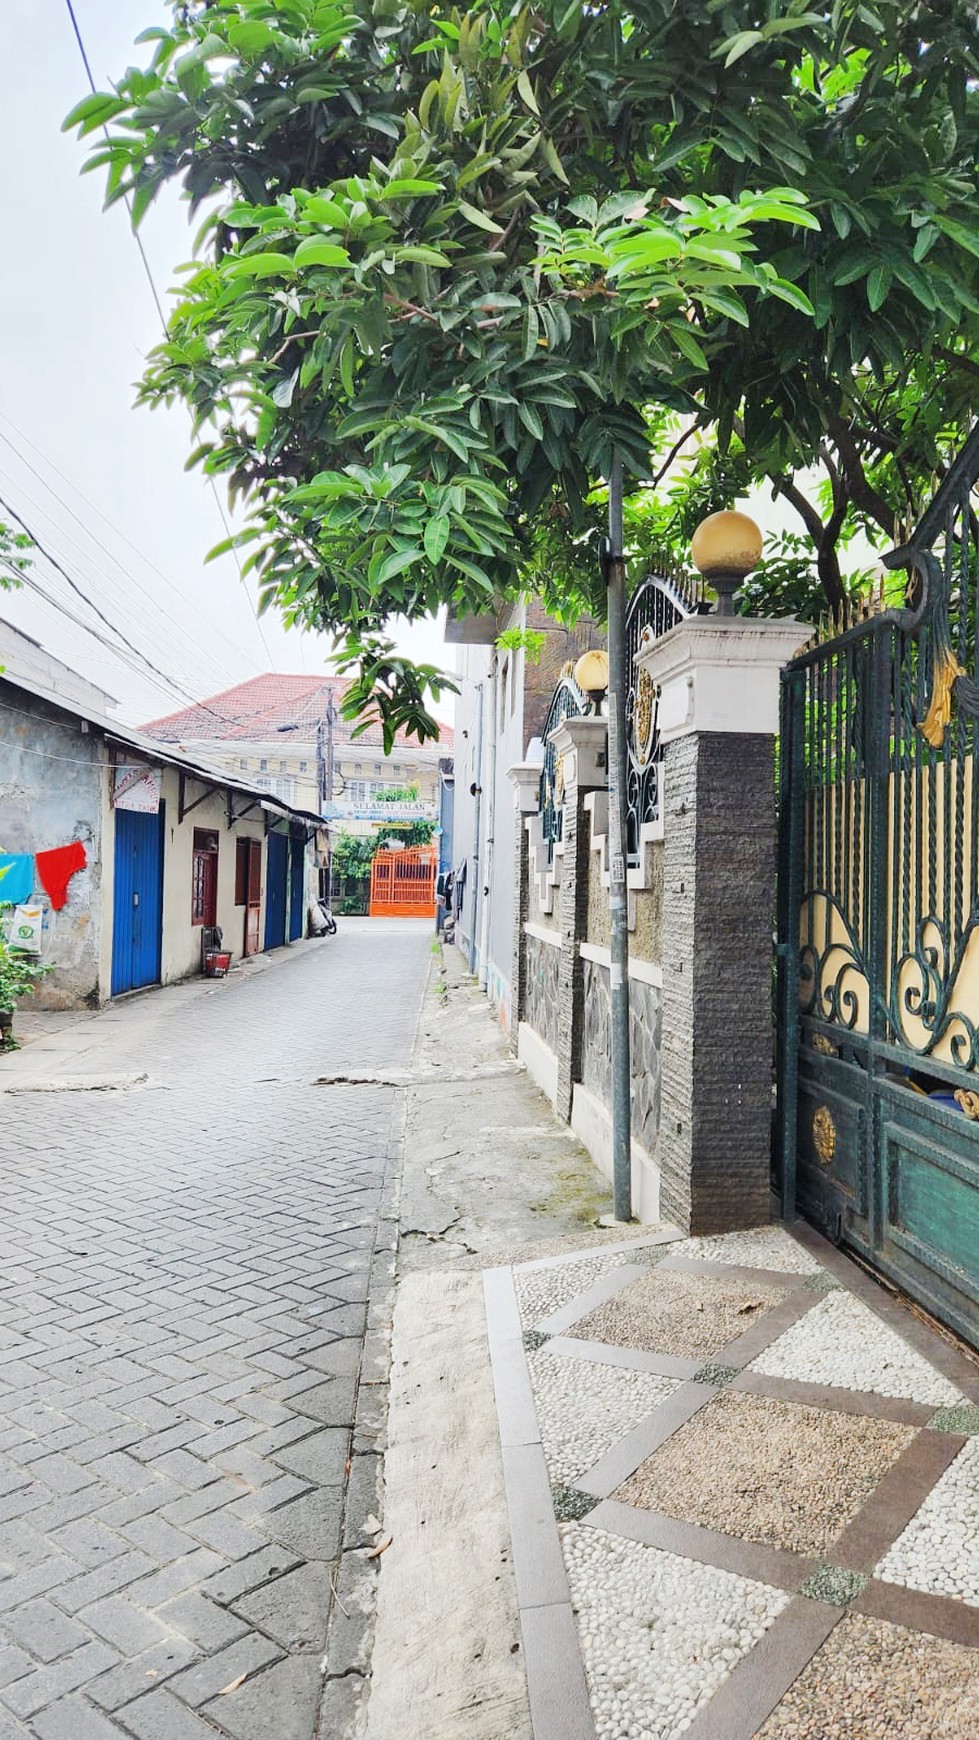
<point>642,1487</point>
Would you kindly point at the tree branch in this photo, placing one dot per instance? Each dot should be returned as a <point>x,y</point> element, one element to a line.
<point>674,450</point>
<point>861,490</point>
<point>823,536</point>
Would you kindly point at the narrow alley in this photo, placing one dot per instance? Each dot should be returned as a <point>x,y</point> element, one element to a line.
<point>187,1261</point>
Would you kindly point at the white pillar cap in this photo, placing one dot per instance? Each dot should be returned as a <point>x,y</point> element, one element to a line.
<point>720,674</point>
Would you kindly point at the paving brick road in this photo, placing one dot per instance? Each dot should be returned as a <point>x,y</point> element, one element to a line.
<point>186,1272</point>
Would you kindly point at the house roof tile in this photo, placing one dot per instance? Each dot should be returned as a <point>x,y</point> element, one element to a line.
<point>264,705</point>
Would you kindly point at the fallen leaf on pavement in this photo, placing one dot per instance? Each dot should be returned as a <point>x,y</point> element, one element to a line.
<point>752,1305</point>
<point>381,1547</point>
<point>233,1687</point>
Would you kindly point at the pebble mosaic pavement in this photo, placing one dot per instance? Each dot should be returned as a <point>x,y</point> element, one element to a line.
<point>741,1477</point>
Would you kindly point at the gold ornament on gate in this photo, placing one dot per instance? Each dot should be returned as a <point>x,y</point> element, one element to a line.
<point>945,675</point>
<point>643,717</point>
<point>822,1044</point>
<point>823,1135</point>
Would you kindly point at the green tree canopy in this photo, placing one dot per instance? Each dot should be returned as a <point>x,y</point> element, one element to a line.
<point>456,257</point>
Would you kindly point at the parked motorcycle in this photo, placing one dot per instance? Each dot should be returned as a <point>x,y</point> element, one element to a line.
<point>321,919</point>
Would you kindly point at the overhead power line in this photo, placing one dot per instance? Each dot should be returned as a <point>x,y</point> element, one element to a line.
<point>171,683</point>
<point>131,582</point>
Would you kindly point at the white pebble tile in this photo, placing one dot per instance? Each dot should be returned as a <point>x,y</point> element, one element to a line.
<point>584,1407</point>
<point>658,1633</point>
<point>763,1247</point>
<point>938,1552</point>
<point>541,1291</point>
<point>841,1342</point>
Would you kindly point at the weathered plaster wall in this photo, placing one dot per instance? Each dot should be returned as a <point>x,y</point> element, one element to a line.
<point>181,938</point>
<point>51,794</point>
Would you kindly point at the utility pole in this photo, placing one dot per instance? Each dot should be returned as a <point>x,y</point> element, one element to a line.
<point>329,746</point>
<point>618,894</point>
<point>324,762</point>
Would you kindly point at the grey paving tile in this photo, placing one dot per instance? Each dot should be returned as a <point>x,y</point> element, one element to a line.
<point>537,1562</point>
<point>160,1717</point>
<point>45,1633</point>
<point>209,1677</point>
<point>14,1664</point>
<point>141,1673</point>
<point>248,1574</point>
<point>559,1706</point>
<point>130,1628</point>
<point>293,1609</point>
<point>321,1457</point>
<point>36,1690</point>
<point>282,1700</point>
<point>311,1525</point>
<point>74,1719</point>
<point>202,1621</point>
<point>177,1400</point>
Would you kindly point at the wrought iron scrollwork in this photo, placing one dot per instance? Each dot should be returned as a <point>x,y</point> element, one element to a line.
<point>567,702</point>
<point>950,518</point>
<point>656,606</point>
<point>833,971</point>
<point>922,1011</point>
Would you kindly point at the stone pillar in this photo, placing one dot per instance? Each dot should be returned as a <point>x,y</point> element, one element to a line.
<point>718,685</point>
<point>525,777</point>
<point>581,743</point>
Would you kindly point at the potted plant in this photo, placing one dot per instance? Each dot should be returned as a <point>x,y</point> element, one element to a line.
<point>19,974</point>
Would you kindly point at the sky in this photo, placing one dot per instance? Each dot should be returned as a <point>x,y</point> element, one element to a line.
<point>100,483</point>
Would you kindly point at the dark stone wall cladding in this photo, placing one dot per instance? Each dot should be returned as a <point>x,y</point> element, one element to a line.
<point>717,1020</point>
<point>645,1025</point>
<point>541,989</point>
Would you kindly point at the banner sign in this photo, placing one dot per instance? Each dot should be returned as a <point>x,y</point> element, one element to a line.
<point>136,787</point>
<point>412,810</point>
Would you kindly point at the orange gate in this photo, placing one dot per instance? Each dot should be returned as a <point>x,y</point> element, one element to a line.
<point>403,883</point>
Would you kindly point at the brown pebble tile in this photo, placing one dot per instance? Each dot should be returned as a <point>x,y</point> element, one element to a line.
<point>876,1681</point>
<point>690,1315</point>
<point>774,1472</point>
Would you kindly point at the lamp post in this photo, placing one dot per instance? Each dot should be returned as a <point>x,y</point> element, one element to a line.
<point>725,547</point>
<point>591,676</point>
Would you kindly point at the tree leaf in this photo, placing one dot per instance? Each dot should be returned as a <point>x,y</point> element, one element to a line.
<point>259,266</point>
<point>316,253</point>
<point>436,538</point>
<point>481,219</point>
<point>526,90</point>
<point>395,564</point>
<point>879,282</point>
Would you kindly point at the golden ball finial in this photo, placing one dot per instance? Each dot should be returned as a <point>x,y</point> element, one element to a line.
<point>726,543</point>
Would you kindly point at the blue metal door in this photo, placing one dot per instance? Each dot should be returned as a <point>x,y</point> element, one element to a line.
<point>297,890</point>
<point>137,913</point>
<point>276,891</point>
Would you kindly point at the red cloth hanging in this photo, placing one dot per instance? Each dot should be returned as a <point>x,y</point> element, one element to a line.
<point>55,870</point>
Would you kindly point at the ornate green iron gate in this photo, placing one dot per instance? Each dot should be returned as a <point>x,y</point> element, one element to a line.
<point>879,922</point>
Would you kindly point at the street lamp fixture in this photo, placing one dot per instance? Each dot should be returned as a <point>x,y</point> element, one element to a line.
<point>725,547</point>
<point>591,676</point>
